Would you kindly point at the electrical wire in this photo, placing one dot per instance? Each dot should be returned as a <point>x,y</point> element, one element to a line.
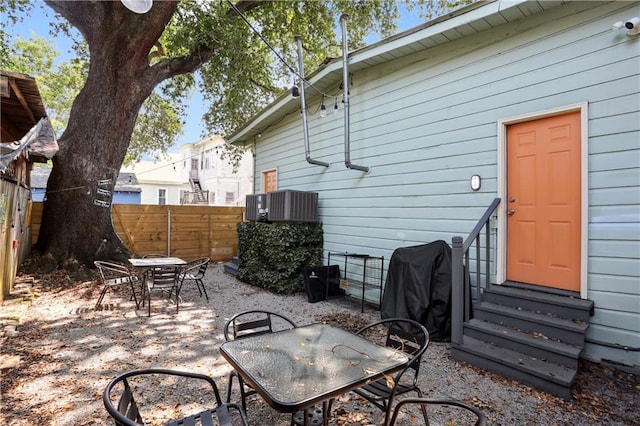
<point>304,80</point>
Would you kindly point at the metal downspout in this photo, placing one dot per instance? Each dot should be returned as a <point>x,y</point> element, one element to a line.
<point>345,88</point>
<point>303,106</point>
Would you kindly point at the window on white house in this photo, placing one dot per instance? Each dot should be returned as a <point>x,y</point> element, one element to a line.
<point>229,197</point>
<point>209,159</point>
<point>194,164</point>
<point>162,197</point>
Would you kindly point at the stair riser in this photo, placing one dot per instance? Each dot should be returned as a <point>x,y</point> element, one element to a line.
<point>527,349</point>
<point>231,268</point>
<point>567,336</point>
<point>536,306</point>
<point>512,372</point>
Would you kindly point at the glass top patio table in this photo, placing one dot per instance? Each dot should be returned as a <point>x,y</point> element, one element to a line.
<point>151,262</point>
<point>295,369</point>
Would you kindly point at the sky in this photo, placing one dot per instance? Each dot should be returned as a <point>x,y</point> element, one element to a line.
<point>38,23</point>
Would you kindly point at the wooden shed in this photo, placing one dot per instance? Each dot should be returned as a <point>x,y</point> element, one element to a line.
<point>26,137</point>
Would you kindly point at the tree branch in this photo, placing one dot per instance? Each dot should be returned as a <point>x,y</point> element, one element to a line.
<point>243,6</point>
<point>183,65</point>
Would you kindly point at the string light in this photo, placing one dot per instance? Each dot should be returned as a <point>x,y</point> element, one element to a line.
<point>323,108</point>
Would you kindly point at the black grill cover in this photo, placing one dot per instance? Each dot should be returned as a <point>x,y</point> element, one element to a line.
<point>418,287</point>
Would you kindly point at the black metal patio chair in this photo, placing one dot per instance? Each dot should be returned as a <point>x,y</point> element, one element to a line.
<point>165,280</point>
<point>115,275</point>
<point>195,271</point>
<point>137,389</point>
<point>404,335</point>
<point>471,411</point>
<point>252,323</point>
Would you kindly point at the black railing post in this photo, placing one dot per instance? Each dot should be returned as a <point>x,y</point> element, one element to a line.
<point>457,290</point>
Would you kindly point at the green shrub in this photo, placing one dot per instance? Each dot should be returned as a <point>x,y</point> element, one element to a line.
<point>272,255</point>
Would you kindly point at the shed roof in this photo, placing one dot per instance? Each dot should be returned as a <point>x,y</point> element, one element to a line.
<point>22,105</point>
<point>26,131</point>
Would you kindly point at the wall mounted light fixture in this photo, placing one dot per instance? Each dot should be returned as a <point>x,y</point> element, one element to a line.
<point>476,182</point>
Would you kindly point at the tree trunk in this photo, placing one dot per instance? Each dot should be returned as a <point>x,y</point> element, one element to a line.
<point>76,221</point>
<point>77,214</point>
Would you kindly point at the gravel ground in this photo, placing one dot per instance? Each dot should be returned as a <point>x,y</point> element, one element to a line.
<point>57,361</point>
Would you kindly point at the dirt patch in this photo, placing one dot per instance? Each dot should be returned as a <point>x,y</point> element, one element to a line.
<point>63,353</point>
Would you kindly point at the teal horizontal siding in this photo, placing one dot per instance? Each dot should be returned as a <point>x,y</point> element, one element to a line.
<point>427,122</point>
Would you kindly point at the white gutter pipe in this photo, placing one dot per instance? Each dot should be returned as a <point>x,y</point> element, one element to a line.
<point>345,88</point>
<point>303,106</point>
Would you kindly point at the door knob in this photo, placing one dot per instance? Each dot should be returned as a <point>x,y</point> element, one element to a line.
<point>511,211</point>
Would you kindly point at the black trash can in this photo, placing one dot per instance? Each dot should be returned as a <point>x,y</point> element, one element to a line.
<point>321,282</point>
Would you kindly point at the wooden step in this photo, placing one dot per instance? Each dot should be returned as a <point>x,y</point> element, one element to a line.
<point>535,346</point>
<point>550,326</point>
<point>546,376</point>
<point>231,268</point>
<point>537,301</point>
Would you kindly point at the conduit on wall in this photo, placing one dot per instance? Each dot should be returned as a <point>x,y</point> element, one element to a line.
<point>303,105</point>
<point>345,88</point>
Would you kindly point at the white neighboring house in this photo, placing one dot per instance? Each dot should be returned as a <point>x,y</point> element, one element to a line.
<point>194,175</point>
<point>160,181</point>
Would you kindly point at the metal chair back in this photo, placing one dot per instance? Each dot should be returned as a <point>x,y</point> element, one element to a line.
<point>251,323</point>
<point>125,410</point>
<point>195,271</point>
<point>115,275</point>
<point>255,322</point>
<point>471,412</point>
<point>410,337</point>
<point>159,279</point>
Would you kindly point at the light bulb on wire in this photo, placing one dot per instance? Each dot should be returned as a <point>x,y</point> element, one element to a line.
<point>323,108</point>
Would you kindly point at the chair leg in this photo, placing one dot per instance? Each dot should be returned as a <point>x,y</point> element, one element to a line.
<point>229,387</point>
<point>102,293</point>
<point>422,407</point>
<point>387,412</point>
<point>243,395</point>
<point>204,290</point>
<point>133,295</point>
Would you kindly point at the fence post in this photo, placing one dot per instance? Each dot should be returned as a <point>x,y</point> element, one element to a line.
<point>457,290</point>
<point>168,232</point>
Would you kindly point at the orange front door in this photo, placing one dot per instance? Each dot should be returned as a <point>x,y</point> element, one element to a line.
<point>544,202</point>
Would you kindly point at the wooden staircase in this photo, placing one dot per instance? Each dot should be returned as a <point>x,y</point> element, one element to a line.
<point>527,333</point>
<point>199,193</point>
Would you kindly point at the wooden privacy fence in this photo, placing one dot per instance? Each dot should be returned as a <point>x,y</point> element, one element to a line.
<point>183,231</point>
